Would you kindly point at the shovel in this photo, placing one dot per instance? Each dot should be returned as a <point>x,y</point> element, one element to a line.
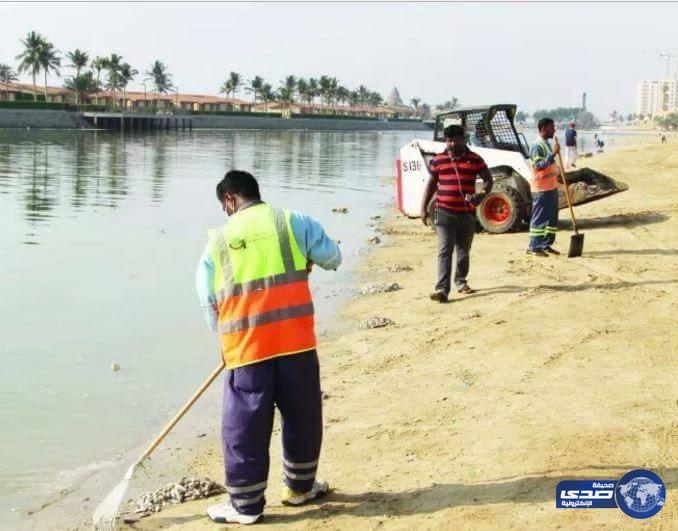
<point>576,240</point>
<point>105,515</point>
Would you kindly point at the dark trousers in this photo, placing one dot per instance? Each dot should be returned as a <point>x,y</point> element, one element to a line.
<point>544,220</point>
<point>455,233</point>
<point>292,383</point>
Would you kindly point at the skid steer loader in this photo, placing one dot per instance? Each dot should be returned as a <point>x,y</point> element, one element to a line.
<point>492,134</point>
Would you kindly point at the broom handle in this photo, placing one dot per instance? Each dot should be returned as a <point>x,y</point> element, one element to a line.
<point>180,414</point>
<point>567,191</point>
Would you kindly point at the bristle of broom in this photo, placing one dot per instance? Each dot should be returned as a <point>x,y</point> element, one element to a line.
<point>106,514</point>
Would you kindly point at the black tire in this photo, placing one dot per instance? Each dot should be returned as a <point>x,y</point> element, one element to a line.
<point>502,210</point>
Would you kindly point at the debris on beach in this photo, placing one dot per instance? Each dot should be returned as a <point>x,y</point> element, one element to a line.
<point>375,217</point>
<point>340,210</point>
<point>397,268</point>
<point>579,192</point>
<point>379,287</point>
<point>188,489</point>
<point>471,315</point>
<point>374,240</point>
<point>115,367</point>
<point>375,322</point>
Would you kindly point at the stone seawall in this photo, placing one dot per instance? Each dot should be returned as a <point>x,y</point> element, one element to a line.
<point>41,119</point>
<point>47,119</point>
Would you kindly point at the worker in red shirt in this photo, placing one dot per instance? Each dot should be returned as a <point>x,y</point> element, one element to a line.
<point>453,180</point>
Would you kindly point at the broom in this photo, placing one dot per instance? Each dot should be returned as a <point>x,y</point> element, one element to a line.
<point>576,239</point>
<point>105,515</point>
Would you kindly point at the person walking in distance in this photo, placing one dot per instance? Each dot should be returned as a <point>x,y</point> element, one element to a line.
<point>544,188</point>
<point>453,180</point>
<point>252,280</point>
<point>571,146</point>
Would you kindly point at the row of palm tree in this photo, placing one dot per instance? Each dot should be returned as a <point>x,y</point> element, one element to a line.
<point>294,89</point>
<point>40,55</point>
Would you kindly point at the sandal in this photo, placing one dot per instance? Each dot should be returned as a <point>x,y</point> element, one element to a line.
<point>466,290</point>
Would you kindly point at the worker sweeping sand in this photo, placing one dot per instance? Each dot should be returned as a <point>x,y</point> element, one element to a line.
<point>442,422</point>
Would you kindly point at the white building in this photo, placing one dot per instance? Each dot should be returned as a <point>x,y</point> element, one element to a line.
<point>657,97</point>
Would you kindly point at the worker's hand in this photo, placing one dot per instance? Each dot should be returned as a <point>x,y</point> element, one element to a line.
<point>425,217</point>
<point>309,266</point>
<point>475,199</point>
<point>556,146</point>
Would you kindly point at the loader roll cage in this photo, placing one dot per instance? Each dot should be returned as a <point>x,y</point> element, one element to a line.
<point>489,127</point>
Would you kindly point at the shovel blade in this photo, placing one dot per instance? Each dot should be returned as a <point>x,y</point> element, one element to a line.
<point>576,245</point>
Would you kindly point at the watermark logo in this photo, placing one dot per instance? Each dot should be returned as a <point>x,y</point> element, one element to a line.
<point>640,493</point>
<point>586,494</point>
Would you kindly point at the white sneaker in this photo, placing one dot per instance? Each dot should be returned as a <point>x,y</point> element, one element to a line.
<point>225,513</point>
<point>292,497</point>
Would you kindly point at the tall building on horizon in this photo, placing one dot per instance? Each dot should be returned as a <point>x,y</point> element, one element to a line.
<point>656,98</point>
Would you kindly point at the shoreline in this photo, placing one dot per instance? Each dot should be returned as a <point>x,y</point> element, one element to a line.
<point>343,349</point>
<point>428,427</point>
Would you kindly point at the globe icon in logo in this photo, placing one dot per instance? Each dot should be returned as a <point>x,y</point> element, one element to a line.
<point>641,494</point>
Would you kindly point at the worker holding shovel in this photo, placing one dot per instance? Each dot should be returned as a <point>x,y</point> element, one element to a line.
<point>253,281</point>
<point>544,187</point>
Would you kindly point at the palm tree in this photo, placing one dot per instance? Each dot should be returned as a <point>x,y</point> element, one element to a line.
<point>375,99</point>
<point>267,93</point>
<point>78,60</point>
<point>127,74</point>
<point>30,57</point>
<point>98,64</point>
<point>415,103</point>
<point>83,85</point>
<point>49,61</point>
<point>113,81</point>
<point>303,90</point>
<point>354,98</point>
<point>363,94</point>
<point>342,94</point>
<point>236,81</point>
<point>255,86</point>
<point>313,89</point>
<point>231,85</point>
<point>7,76</point>
<point>162,80</point>
<point>325,88</point>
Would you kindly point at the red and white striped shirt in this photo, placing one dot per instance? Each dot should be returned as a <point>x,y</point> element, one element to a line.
<point>456,177</point>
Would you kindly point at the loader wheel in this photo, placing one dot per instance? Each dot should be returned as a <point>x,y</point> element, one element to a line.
<point>501,210</point>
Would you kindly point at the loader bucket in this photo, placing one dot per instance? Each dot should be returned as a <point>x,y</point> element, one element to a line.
<point>588,185</point>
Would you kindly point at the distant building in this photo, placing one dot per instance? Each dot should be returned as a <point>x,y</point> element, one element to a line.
<point>134,101</point>
<point>655,98</point>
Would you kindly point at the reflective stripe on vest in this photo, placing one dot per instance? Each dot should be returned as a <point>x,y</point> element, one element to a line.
<point>265,309</point>
<point>546,178</point>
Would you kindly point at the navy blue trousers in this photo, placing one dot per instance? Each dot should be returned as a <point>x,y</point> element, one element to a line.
<point>544,220</point>
<point>292,383</point>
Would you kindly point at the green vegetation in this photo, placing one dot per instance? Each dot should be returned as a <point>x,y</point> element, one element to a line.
<point>161,79</point>
<point>583,118</point>
<point>670,121</point>
<point>91,74</point>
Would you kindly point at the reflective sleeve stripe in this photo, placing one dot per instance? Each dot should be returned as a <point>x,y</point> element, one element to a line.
<point>292,475</point>
<point>241,502</point>
<point>284,239</point>
<point>291,464</point>
<point>242,288</point>
<point>248,488</point>
<point>279,314</point>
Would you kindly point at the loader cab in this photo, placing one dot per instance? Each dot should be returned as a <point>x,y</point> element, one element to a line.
<point>489,127</point>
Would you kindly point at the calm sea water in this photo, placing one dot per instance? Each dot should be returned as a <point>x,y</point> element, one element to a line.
<point>99,240</point>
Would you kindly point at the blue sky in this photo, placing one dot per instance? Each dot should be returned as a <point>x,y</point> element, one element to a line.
<point>533,54</point>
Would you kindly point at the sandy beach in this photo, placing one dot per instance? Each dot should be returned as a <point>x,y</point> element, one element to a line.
<point>467,415</point>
